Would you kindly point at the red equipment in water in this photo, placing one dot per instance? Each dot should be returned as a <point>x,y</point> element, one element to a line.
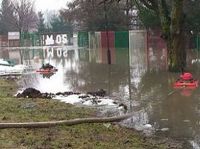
<point>186,76</point>
<point>47,70</point>
<point>186,81</point>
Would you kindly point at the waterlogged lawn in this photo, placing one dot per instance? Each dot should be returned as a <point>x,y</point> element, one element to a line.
<point>83,136</point>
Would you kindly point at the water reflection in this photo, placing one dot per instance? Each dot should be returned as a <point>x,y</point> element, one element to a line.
<point>158,107</point>
<point>47,75</point>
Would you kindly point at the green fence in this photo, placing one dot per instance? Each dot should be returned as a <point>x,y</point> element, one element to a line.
<point>30,39</point>
<point>198,42</point>
<point>122,39</point>
<point>83,39</point>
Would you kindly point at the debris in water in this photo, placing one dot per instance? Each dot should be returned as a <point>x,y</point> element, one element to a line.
<point>164,119</point>
<point>186,121</point>
<point>164,129</point>
<point>146,126</point>
<point>100,92</point>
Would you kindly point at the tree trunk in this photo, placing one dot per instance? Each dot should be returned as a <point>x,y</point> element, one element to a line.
<point>176,53</point>
<point>172,33</point>
<point>176,44</point>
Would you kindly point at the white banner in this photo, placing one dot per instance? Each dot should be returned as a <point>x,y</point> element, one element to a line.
<point>13,36</point>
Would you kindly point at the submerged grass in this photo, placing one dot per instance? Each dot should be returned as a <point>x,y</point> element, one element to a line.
<point>83,136</point>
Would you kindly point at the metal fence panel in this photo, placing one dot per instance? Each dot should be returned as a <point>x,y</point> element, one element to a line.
<point>83,39</point>
<point>122,39</point>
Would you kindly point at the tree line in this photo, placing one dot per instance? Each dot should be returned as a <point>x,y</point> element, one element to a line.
<point>21,16</point>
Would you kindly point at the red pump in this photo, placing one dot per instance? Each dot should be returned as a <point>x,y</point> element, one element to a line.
<point>186,81</point>
<point>186,76</point>
<point>47,69</point>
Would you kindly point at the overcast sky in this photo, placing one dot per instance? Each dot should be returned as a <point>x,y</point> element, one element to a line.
<point>43,5</point>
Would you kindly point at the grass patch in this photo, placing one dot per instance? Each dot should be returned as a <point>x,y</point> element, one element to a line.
<point>83,136</point>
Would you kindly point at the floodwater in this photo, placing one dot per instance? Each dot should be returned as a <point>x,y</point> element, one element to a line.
<point>137,80</point>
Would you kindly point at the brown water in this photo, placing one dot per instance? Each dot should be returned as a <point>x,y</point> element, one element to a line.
<point>148,91</point>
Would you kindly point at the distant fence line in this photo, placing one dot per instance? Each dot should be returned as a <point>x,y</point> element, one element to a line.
<point>148,42</point>
<point>27,39</point>
<point>144,47</point>
<point>119,39</point>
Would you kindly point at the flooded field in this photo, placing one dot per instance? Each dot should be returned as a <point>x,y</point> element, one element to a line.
<point>143,86</point>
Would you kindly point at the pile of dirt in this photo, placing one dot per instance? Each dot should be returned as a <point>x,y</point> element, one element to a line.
<point>34,93</point>
<point>95,98</point>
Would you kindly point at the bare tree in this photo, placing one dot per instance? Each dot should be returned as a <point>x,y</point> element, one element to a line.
<point>18,14</point>
<point>25,15</point>
<point>41,25</point>
<point>7,17</point>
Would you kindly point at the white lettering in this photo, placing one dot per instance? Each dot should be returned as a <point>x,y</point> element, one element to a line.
<point>49,40</point>
<point>58,39</point>
<point>59,52</point>
<point>43,40</point>
<point>65,54</point>
<point>64,38</point>
<point>50,52</point>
